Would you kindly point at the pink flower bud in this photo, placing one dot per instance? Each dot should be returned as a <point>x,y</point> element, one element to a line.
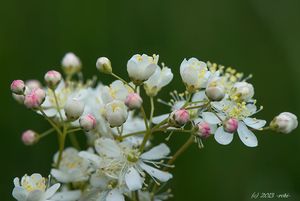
<point>204,129</point>
<point>52,78</point>
<point>133,101</point>
<point>88,122</point>
<point>179,117</point>
<point>17,87</point>
<point>34,98</point>
<point>231,125</point>
<point>29,137</point>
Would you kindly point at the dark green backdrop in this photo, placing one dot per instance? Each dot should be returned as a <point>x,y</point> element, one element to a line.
<point>255,36</point>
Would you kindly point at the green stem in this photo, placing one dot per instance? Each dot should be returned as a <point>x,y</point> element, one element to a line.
<point>133,134</point>
<point>152,110</point>
<point>50,121</point>
<point>57,105</point>
<point>74,130</point>
<point>61,142</point>
<point>148,131</point>
<point>119,78</point>
<point>44,134</point>
<point>74,140</point>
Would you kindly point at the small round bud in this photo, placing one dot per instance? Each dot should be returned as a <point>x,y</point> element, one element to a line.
<point>116,113</point>
<point>285,122</point>
<point>179,117</point>
<point>103,64</point>
<point>133,101</point>
<point>29,137</point>
<point>33,84</point>
<point>19,98</point>
<point>231,125</point>
<point>52,79</point>
<point>71,63</point>
<point>17,87</point>
<point>73,109</point>
<point>88,122</point>
<point>34,98</point>
<point>204,129</point>
<point>242,91</point>
<point>214,90</point>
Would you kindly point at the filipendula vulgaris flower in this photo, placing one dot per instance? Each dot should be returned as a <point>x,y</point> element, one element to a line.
<point>285,122</point>
<point>123,163</point>
<point>34,98</point>
<point>141,67</point>
<point>29,137</point>
<point>71,64</point>
<point>159,79</point>
<point>115,91</point>
<point>103,64</point>
<point>234,116</point>
<point>194,74</point>
<point>133,101</point>
<point>52,79</point>
<point>115,113</point>
<point>72,168</point>
<point>33,188</point>
<point>74,108</point>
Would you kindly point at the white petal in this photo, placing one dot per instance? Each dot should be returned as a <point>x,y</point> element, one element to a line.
<point>108,147</point>
<point>223,137</point>
<point>247,137</point>
<point>50,191</point>
<point>160,118</point>
<point>67,196</point>
<point>115,195</point>
<point>158,174</point>
<point>35,195</point>
<point>96,160</point>
<point>157,152</point>
<point>60,176</point>
<point>19,193</point>
<point>199,96</point>
<point>133,179</point>
<point>255,123</point>
<point>210,117</point>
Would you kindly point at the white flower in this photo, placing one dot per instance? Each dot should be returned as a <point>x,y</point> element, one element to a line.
<point>194,74</point>
<point>121,161</point>
<point>72,168</point>
<point>285,122</point>
<point>74,109</point>
<point>116,113</point>
<point>215,90</point>
<point>116,91</point>
<point>71,63</point>
<point>226,110</point>
<point>242,91</point>
<point>159,79</point>
<point>141,67</point>
<point>33,188</point>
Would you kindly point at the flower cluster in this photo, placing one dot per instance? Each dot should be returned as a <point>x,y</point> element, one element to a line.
<point>119,160</point>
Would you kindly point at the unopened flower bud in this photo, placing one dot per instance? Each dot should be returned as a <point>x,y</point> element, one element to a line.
<point>133,101</point>
<point>34,98</point>
<point>215,91</point>
<point>179,117</point>
<point>116,113</point>
<point>242,91</point>
<point>17,87</point>
<point>103,64</point>
<point>74,109</point>
<point>231,125</point>
<point>204,129</point>
<point>29,137</point>
<point>19,98</point>
<point>88,122</point>
<point>52,79</point>
<point>71,63</point>
<point>285,122</point>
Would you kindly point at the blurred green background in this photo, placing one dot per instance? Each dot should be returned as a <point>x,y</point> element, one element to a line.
<point>261,37</point>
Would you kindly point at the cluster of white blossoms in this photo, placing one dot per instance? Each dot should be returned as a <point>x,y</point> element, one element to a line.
<point>119,161</point>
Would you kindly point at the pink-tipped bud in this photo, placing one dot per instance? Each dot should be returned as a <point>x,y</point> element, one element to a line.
<point>17,87</point>
<point>52,78</point>
<point>29,137</point>
<point>179,117</point>
<point>88,122</point>
<point>231,125</point>
<point>33,84</point>
<point>34,98</point>
<point>204,129</point>
<point>74,109</point>
<point>133,101</point>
